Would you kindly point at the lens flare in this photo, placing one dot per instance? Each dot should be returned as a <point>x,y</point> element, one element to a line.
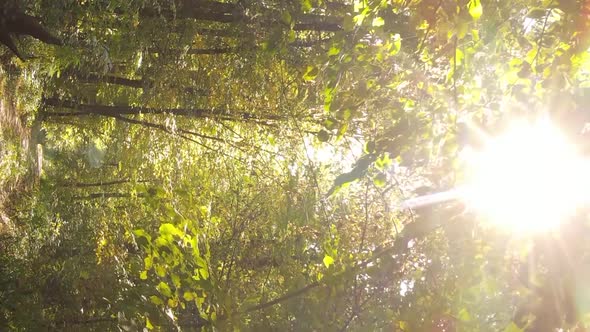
<point>528,179</point>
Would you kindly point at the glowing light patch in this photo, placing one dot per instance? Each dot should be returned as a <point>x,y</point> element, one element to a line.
<point>528,179</point>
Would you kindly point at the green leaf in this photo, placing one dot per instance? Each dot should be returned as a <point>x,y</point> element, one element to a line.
<point>513,328</point>
<point>175,280</point>
<point>156,300</point>
<point>383,162</point>
<point>164,289</point>
<point>188,296</point>
<point>142,233</point>
<point>328,260</point>
<point>148,324</point>
<point>305,6</point>
<point>169,229</point>
<point>204,273</point>
<point>464,315</point>
<point>333,51</point>
<point>286,17</point>
<point>459,56</point>
<point>342,130</point>
<point>475,9</point>
<point>311,73</point>
<point>380,180</point>
<point>378,22</point>
<point>403,325</point>
<point>160,270</point>
<point>148,262</point>
<point>143,275</point>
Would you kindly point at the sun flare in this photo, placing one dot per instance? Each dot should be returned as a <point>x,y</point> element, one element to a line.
<point>528,179</point>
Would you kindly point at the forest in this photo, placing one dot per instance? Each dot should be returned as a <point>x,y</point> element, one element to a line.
<point>295,165</point>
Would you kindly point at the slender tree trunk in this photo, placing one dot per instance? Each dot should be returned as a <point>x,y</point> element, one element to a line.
<point>99,184</point>
<point>108,195</point>
<point>199,51</point>
<point>111,79</point>
<point>233,13</point>
<point>93,78</point>
<point>216,32</point>
<point>318,26</point>
<point>93,320</point>
<point>201,10</point>
<point>107,110</point>
<point>212,51</point>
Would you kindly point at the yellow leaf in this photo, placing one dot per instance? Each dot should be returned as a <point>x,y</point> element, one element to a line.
<point>148,324</point>
<point>403,325</point>
<point>148,262</point>
<point>464,315</point>
<point>475,9</point>
<point>160,270</point>
<point>156,300</point>
<point>172,303</point>
<point>164,289</point>
<point>188,296</point>
<point>328,261</point>
<point>378,22</point>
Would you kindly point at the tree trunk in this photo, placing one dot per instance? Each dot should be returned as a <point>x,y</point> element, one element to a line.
<point>233,13</point>
<point>107,110</point>
<point>108,195</point>
<point>111,79</point>
<point>98,184</point>
<point>201,10</point>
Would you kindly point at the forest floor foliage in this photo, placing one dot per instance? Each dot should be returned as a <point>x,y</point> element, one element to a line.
<point>15,159</point>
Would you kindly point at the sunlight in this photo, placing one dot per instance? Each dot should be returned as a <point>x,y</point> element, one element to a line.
<point>528,179</point>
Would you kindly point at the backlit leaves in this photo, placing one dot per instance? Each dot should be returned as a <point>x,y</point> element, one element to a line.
<point>328,261</point>
<point>475,9</point>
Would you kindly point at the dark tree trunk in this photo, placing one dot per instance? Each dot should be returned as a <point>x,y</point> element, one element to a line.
<point>318,26</point>
<point>211,51</point>
<point>99,184</point>
<point>14,21</point>
<point>233,13</point>
<point>93,78</point>
<point>201,10</point>
<point>111,79</point>
<point>108,195</point>
<point>107,110</point>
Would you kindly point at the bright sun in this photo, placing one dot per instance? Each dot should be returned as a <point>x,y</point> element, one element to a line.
<point>528,179</point>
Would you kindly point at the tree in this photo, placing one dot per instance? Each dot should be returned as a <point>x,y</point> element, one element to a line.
<point>183,182</point>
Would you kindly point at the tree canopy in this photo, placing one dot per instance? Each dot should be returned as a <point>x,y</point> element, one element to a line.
<point>199,165</point>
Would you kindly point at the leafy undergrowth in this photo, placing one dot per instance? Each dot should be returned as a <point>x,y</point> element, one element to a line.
<point>17,170</point>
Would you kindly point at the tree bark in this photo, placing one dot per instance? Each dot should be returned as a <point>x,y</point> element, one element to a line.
<point>140,83</point>
<point>233,13</point>
<point>14,21</point>
<point>108,195</point>
<point>99,184</point>
<point>211,51</point>
<point>107,110</point>
<point>111,79</point>
<point>201,10</point>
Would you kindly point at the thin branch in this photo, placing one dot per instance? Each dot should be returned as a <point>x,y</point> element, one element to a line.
<point>540,40</point>
<point>427,32</point>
